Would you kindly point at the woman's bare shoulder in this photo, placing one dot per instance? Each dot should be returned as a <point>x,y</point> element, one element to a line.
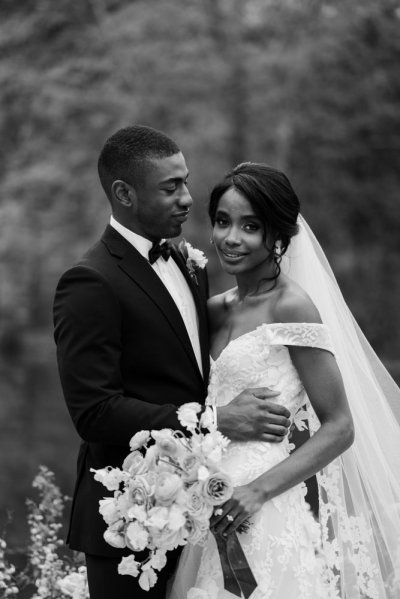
<point>293,304</point>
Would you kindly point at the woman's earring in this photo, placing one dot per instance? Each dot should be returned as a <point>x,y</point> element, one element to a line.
<point>211,241</point>
<point>278,249</point>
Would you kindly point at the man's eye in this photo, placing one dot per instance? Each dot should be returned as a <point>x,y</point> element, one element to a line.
<point>170,189</point>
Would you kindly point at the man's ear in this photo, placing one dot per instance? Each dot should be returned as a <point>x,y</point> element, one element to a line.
<point>123,193</point>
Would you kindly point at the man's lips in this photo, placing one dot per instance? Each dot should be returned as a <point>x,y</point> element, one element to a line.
<point>181,215</point>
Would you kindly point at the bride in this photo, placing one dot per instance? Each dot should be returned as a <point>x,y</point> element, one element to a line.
<point>285,326</point>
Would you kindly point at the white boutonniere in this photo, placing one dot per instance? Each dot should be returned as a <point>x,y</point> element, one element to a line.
<point>194,258</point>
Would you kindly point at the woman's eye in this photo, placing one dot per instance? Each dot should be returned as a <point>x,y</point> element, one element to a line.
<point>221,221</point>
<point>251,227</point>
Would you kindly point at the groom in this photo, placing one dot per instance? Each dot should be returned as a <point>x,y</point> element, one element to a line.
<point>132,339</point>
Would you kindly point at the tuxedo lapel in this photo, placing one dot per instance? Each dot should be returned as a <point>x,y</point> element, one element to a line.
<point>139,271</point>
<point>201,311</point>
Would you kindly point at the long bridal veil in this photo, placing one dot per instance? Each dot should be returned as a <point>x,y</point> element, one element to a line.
<point>359,493</point>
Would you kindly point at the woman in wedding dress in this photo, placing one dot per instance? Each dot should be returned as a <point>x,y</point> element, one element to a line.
<point>285,326</point>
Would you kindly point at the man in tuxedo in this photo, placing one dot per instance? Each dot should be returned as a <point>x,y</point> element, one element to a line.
<point>132,342</point>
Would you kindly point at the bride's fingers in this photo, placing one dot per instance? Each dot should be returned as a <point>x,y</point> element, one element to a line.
<point>228,522</point>
<point>235,524</point>
<point>220,512</point>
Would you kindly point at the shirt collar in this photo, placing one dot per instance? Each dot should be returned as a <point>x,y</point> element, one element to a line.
<point>140,243</point>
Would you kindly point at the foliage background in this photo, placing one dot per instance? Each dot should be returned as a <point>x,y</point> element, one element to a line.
<point>312,87</point>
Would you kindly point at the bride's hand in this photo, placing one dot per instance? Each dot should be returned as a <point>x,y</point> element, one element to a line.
<point>245,502</point>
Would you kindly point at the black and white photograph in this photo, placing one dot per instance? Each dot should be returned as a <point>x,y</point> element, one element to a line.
<point>199,299</point>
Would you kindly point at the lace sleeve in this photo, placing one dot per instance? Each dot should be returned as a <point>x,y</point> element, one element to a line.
<point>303,334</point>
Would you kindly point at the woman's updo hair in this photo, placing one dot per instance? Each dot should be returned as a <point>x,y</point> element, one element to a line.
<point>272,198</point>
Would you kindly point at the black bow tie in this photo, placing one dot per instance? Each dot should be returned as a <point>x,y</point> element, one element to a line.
<point>159,249</point>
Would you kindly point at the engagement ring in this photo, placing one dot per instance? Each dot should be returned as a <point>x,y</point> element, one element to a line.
<point>218,512</point>
<point>230,518</point>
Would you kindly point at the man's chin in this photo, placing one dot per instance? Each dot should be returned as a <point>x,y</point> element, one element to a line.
<point>173,232</point>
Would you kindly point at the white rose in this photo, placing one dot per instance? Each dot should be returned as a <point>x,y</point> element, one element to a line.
<point>196,256</point>
<point>168,486</point>
<point>136,536</point>
<point>157,517</point>
<point>139,439</point>
<point>196,503</point>
<point>187,415</point>
<point>128,565</point>
<point>217,489</point>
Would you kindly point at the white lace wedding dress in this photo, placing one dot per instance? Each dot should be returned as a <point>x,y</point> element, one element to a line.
<point>282,542</point>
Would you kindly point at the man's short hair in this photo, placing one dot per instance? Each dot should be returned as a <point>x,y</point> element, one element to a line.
<point>127,155</point>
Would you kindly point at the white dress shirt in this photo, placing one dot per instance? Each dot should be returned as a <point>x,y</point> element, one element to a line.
<point>173,279</point>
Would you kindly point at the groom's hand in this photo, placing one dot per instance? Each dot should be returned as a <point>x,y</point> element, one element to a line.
<point>252,417</point>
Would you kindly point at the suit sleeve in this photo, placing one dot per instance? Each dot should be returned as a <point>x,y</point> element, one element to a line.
<point>88,329</point>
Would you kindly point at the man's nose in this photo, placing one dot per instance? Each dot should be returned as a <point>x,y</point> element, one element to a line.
<point>185,199</point>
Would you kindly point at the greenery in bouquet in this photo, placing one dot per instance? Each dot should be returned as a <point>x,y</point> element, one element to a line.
<point>165,492</point>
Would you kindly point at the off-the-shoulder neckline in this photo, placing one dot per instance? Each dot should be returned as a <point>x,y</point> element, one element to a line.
<point>267,324</point>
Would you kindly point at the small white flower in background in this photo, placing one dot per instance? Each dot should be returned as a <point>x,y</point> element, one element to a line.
<point>187,415</point>
<point>75,584</point>
<point>196,256</point>
<point>128,565</point>
<point>139,439</point>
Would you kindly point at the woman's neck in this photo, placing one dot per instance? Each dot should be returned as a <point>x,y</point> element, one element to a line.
<point>254,284</point>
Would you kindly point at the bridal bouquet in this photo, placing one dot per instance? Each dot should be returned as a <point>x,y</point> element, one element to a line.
<point>166,491</point>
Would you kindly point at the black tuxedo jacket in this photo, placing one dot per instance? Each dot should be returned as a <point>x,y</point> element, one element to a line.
<point>126,362</point>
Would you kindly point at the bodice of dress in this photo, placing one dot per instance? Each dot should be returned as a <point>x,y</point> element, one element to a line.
<point>260,358</point>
